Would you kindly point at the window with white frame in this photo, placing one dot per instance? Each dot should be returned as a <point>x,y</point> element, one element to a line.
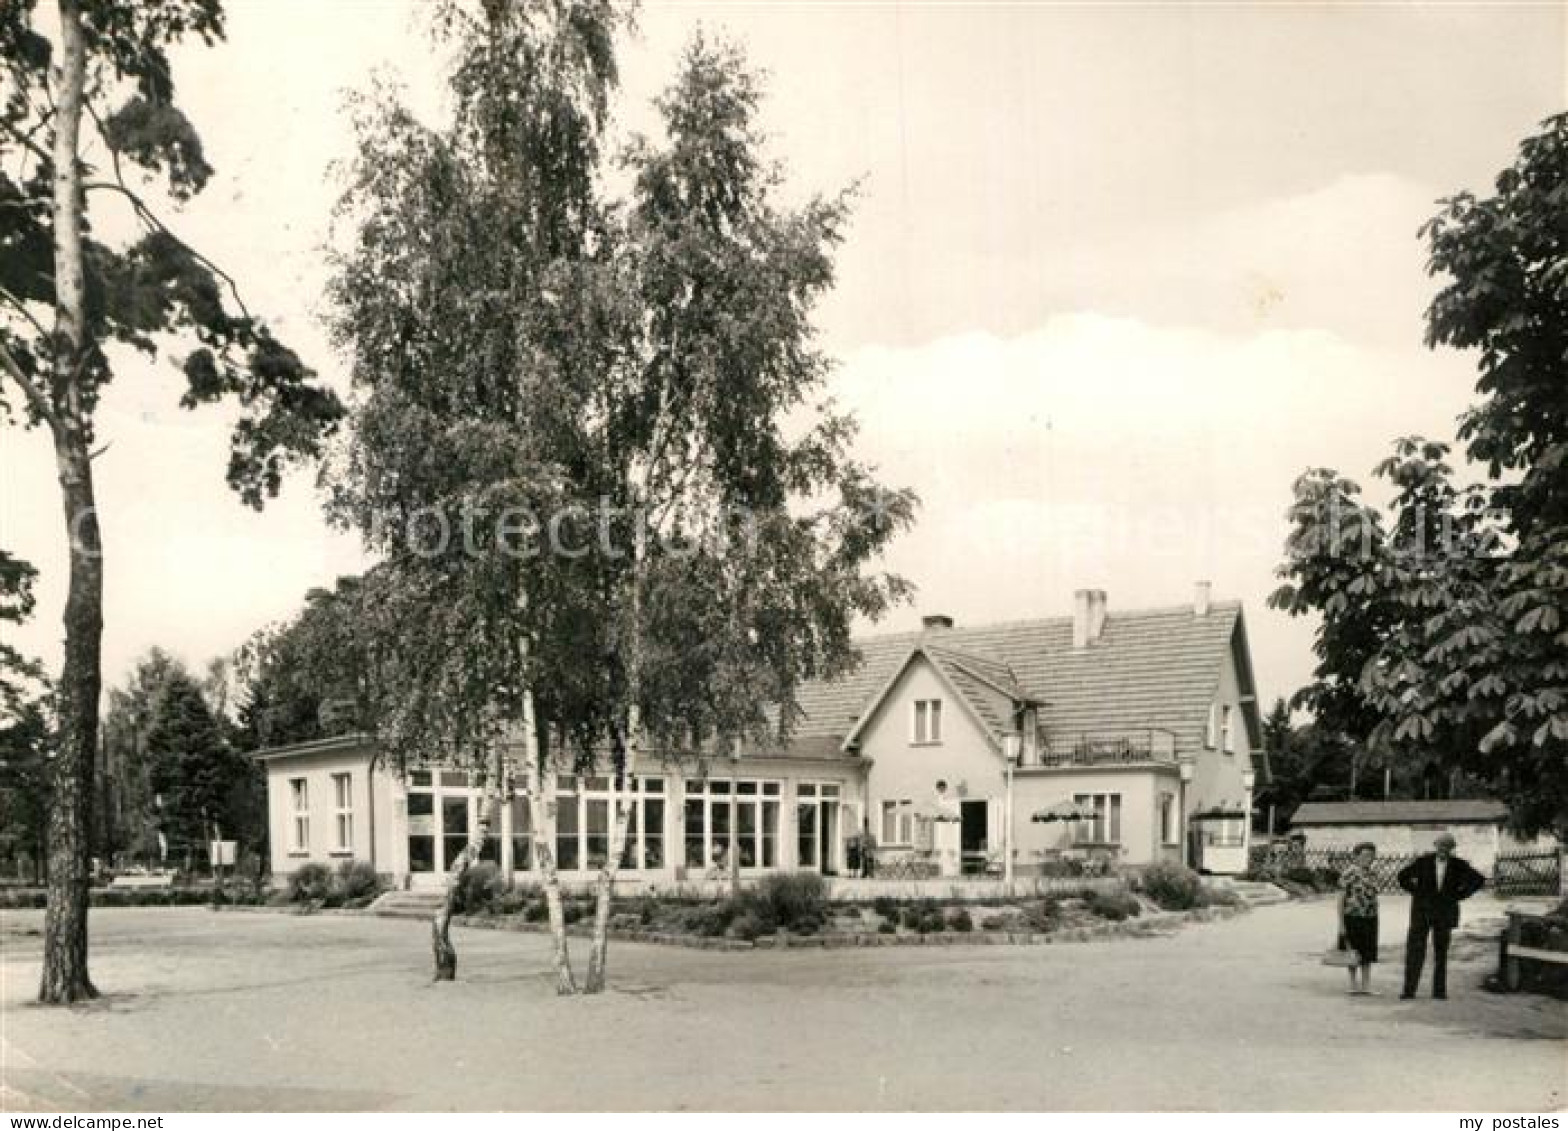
<point>299,798</point>
<point>1105,825</point>
<point>343,812</point>
<point>585,820</point>
<point>1227,736</point>
<point>1211,737</point>
<point>1168,825</point>
<point>898,822</point>
<point>927,728</point>
<point>721,812</point>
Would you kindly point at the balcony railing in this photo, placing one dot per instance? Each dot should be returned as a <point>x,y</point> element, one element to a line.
<point>1122,748</point>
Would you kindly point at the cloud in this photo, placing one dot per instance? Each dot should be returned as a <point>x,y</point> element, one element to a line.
<point>1138,458</point>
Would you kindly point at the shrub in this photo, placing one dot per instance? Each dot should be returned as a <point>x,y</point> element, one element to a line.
<point>356,879</point>
<point>309,883</point>
<point>512,901</point>
<point>1043,915</point>
<point>960,920</point>
<point>479,888</point>
<point>536,911</point>
<point>1115,905</point>
<point>1217,897</point>
<point>1174,887</point>
<point>885,906</point>
<point>791,901</point>
<point>925,917</point>
<point>747,925</point>
<point>712,919</point>
<point>647,909</point>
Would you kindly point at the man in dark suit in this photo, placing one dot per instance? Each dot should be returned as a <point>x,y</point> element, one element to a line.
<point>1437,882</point>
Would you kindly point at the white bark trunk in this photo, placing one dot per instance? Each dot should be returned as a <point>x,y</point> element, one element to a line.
<point>541,809</point>
<point>624,798</point>
<point>441,925</point>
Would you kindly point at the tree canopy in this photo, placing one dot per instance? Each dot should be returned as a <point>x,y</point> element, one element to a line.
<point>590,443</point>
<point>1443,634</point>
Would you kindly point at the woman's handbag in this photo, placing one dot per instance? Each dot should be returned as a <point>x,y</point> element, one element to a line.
<point>1340,954</point>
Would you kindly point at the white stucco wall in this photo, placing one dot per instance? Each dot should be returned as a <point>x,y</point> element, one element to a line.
<point>1217,776</point>
<point>1139,789</point>
<point>904,770</point>
<point>373,838</point>
<point>1477,843</point>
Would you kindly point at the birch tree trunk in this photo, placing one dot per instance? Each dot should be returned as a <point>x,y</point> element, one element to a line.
<point>540,786</point>
<point>65,976</point>
<point>624,797</point>
<point>441,925</point>
<point>604,886</point>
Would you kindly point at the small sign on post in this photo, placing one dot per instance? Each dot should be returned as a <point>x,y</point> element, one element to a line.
<point>223,853</point>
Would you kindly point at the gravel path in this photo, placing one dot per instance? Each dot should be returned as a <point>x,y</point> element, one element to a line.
<point>230,1011</point>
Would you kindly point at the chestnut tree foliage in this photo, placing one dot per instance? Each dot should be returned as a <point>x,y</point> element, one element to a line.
<point>92,141</point>
<point>1444,633</point>
<point>617,520</point>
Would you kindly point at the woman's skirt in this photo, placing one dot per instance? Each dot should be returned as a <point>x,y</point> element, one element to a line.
<point>1361,937</point>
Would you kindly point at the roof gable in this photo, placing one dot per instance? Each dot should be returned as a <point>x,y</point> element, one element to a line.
<point>982,687</point>
<point>1150,668</point>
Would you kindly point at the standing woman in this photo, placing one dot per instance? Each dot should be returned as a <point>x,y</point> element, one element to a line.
<point>1358,915</point>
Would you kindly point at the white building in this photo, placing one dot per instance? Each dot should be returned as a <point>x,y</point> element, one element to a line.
<point>1142,722</point>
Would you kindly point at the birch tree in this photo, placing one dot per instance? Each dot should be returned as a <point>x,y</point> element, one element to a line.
<point>752,528</point>
<point>618,518</point>
<point>461,235</point>
<point>94,76</point>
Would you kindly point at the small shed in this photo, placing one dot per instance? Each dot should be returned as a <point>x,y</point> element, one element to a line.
<point>1405,828</point>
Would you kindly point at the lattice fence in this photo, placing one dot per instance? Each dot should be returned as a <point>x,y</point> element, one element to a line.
<point>1527,873</point>
<point>1281,861</point>
<point>1514,873</point>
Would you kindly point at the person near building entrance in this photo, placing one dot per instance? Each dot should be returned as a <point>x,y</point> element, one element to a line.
<point>1437,882</point>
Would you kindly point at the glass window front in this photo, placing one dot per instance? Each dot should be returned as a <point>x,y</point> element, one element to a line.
<point>1106,825</point>
<point>724,815</point>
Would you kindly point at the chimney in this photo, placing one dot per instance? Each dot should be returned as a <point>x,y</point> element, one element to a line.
<point>1088,616</point>
<point>1200,599</point>
<point>936,622</point>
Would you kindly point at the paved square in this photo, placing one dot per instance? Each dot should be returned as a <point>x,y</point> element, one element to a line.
<point>258,1011</point>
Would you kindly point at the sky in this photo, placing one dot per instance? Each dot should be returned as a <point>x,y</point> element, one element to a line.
<point>1116,276</point>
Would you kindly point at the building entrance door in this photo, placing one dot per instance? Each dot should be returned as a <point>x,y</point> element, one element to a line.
<point>973,834</point>
<point>830,839</point>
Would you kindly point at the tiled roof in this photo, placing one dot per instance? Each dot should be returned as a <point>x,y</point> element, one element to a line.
<point>1398,812</point>
<point>1150,668</point>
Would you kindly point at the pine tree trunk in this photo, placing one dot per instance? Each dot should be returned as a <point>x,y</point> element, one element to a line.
<point>541,807</point>
<point>65,976</point>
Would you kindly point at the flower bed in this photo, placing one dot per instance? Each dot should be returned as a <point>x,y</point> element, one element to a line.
<point>792,911</point>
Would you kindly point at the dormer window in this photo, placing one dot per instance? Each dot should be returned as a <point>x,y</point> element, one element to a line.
<point>927,728</point>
